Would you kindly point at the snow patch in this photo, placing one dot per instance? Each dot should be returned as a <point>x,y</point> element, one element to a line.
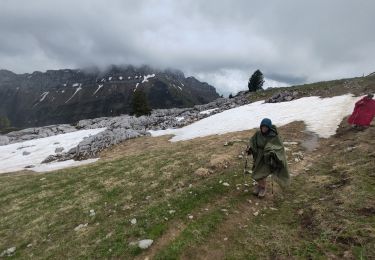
<point>136,86</point>
<point>120,78</point>
<point>12,158</point>
<point>207,112</point>
<point>43,96</point>
<point>109,78</point>
<point>321,116</point>
<point>146,77</point>
<point>179,118</point>
<point>78,89</point>
<point>76,85</point>
<point>99,87</point>
<point>177,87</point>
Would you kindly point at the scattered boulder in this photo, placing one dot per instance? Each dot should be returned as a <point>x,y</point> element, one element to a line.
<point>146,243</point>
<point>80,226</point>
<point>92,213</point>
<point>8,252</point>
<point>298,156</point>
<point>25,153</point>
<point>283,97</point>
<point>59,149</point>
<point>4,140</point>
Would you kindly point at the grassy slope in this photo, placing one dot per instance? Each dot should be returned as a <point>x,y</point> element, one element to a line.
<point>328,210</point>
<point>356,86</point>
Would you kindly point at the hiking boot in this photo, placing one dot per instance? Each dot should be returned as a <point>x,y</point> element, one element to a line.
<point>262,192</point>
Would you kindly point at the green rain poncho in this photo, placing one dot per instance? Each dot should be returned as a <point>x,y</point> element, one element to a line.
<point>269,157</point>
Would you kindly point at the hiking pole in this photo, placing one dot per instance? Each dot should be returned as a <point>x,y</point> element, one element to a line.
<point>245,168</point>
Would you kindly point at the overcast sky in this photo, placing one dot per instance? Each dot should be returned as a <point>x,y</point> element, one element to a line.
<point>219,41</point>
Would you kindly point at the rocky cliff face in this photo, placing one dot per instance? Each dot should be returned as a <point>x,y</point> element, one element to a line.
<point>67,96</point>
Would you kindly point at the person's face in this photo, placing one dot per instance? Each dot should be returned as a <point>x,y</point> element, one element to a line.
<point>264,129</point>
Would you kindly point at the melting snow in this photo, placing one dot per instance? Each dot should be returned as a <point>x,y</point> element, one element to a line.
<point>120,78</point>
<point>129,77</point>
<point>177,87</point>
<point>43,96</point>
<point>99,87</point>
<point>321,115</point>
<point>12,158</point>
<point>78,89</point>
<point>136,86</point>
<point>76,85</point>
<point>146,77</point>
<point>110,78</point>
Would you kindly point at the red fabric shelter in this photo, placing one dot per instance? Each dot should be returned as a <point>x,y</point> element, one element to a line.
<point>364,112</point>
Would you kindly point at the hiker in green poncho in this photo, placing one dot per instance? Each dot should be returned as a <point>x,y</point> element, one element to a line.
<point>269,157</point>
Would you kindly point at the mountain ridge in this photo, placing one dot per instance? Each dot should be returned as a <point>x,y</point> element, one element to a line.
<point>69,95</point>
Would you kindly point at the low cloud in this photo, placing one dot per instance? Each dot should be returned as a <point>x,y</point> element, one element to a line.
<point>221,42</point>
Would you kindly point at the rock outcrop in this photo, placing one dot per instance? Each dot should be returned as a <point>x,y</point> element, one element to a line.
<point>283,97</point>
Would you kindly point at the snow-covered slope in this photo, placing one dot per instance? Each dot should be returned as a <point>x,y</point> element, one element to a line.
<point>321,115</point>
<point>17,156</point>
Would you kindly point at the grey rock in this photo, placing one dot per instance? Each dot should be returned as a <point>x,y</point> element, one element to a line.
<point>146,243</point>
<point>38,132</point>
<point>25,153</point>
<point>4,140</point>
<point>59,149</point>
<point>8,252</point>
<point>283,97</point>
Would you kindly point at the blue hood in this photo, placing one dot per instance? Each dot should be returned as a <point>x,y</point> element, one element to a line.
<point>266,122</point>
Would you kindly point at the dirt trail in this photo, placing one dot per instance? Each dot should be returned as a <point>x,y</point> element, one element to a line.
<point>251,206</point>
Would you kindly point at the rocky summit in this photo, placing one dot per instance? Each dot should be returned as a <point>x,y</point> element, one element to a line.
<point>67,96</point>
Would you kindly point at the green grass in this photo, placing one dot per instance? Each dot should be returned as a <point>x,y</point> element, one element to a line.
<point>328,210</point>
<point>333,220</point>
<point>45,212</point>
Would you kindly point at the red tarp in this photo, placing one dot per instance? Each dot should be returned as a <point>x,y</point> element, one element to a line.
<point>364,112</point>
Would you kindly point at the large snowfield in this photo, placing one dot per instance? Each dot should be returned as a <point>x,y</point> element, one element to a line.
<point>15,157</point>
<point>321,116</point>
